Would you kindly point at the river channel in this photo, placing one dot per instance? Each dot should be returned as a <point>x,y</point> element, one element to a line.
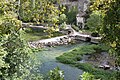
<point>49,62</point>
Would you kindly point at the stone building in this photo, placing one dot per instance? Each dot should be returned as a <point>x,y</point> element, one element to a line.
<point>80,17</point>
<point>82,6</point>
<point>80,20</point>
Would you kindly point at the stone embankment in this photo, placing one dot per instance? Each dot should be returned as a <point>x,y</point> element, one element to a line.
<point>62,40</point>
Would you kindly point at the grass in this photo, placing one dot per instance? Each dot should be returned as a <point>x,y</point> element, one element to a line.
<point>72,57</point>
<point>36,34</point>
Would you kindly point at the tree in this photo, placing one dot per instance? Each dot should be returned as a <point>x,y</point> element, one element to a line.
<point>62,18</point>
<point>70,14</point>
<point>111,27</point>
<point>38,12</point>
<point>95,21</point>
<point>14,52</point>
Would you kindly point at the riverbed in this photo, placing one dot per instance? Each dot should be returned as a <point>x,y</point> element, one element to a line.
<point>48,61</point>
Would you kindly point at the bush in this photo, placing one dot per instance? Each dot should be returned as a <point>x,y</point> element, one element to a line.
<point>87,76</point>
<point>55,74</point>
<point>62,18</point>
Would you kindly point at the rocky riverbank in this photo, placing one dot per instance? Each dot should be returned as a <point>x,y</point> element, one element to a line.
<point>63,40</point>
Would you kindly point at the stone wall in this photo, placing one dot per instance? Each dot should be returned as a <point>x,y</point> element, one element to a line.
<point>60,41</point>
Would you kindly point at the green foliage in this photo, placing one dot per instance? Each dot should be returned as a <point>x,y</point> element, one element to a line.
<point>87,76</point>
<point>63,26</point>
<point>7,7</point>
<point>74,56</point>
<point>103,5</point>
<point>111,26</point>
<point>14,52</point>
<point>2,55</point>
<point>43,11</point>
<point>62,18</point>
<point>56,74</point>
<point>71,15</point>
<point>32,35</point>
<point>95,21</point>
<point>15,57</point>
<point>98,73</point>
<point>29,34</point>
<point>8,24</point>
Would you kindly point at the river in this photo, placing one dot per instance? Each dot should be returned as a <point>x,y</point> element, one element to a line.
<point>49,62</point>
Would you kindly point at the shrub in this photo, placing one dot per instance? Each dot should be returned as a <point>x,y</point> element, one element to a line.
<point>55,74</point>
<point>87,76</point>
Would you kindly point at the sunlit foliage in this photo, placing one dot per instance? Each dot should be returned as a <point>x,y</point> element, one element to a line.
<point>14,52</point>
<point>111,26</point>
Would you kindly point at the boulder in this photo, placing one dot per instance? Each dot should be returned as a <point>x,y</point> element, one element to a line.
<point>105,65</point>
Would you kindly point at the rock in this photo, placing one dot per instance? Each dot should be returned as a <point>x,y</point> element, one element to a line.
<point>105,65</point>
<point>60,41</point>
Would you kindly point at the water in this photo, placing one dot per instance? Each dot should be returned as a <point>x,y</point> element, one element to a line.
<point>49,62</point>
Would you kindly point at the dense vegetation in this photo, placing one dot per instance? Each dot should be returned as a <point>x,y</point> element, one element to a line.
<point>108,14</point>
<point>15,54</point>
<point>13,51</point>
<point>74,56</point>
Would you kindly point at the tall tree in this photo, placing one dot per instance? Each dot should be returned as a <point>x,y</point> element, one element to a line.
<point>14,53</point>
<point>111,27</point>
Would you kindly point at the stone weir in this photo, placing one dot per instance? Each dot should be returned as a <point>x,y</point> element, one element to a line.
<point>56,41</point>
<point>63,40</point>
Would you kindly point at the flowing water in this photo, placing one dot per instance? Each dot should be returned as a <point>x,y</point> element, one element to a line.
<point>49,62</point>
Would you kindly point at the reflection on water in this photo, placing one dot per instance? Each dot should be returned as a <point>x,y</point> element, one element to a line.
<point>49,62</point>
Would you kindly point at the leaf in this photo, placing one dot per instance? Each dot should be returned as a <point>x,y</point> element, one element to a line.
<point>113,44</point>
